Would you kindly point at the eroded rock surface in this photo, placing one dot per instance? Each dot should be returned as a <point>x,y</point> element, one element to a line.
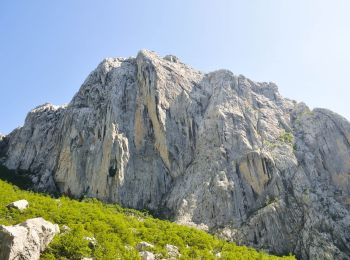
<point>26,240</point>
<point>217,151</point>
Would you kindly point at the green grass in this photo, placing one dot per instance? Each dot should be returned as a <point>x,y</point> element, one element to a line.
<point>116,230</point>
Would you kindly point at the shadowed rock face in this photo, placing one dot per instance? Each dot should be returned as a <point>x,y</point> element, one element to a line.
<point>217,151</point>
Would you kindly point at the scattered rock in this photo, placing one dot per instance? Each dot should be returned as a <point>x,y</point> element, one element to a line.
<point>26,240</point>
<point>173,251</point>
<point>19,204</point>
<point>159,256</point>
<point>147,255</point>
<point>143,245</point>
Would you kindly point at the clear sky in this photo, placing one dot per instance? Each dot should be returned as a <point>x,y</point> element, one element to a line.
<point>47,48</point>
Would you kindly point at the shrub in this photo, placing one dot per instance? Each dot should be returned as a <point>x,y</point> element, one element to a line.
<point>116,230</point>
<point>286,137</point>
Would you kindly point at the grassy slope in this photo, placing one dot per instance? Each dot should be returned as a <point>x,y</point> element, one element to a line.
<point>117,230</point>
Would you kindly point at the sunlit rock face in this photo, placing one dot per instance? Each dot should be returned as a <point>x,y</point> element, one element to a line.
<point>216,151</point>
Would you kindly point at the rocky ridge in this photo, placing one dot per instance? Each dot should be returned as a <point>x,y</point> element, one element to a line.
<point>213,150</point>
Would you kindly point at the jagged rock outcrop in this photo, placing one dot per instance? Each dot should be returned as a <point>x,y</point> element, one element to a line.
<point>26,240</point>
<point>216,150</point>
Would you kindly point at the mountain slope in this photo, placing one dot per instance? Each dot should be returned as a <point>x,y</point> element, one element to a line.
<point>117,231</point>
<point>215,151</point>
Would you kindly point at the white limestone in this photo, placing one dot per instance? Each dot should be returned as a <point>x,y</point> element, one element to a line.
<point>19,204</point>
<point>26,240</point>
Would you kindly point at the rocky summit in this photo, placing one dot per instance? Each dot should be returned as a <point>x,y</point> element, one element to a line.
<point>212,150</point>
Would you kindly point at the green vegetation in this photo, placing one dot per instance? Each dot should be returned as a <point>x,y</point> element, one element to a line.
<point>303,116</point>
<point>269,144</point>
<point>286,137</point>
<point>116,230</point>
<point>269,200</point>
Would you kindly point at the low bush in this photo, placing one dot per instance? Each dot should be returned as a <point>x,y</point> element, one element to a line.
<point>116,230</point>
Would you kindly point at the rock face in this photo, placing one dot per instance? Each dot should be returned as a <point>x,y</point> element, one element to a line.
<point>216,150</point>
<point>26,240</point>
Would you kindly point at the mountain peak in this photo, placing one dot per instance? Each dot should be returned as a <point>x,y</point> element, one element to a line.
<point>212,150</point>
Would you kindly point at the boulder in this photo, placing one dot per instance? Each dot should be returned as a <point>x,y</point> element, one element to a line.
<point>19,204</point>
<point>26,240</point>
<point>145,255</point>
<point>173,251</point>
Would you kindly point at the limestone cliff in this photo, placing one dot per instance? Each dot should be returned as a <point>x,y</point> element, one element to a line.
<point>216,150</point>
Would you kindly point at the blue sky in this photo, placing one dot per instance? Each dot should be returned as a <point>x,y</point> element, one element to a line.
<point>47,48</point>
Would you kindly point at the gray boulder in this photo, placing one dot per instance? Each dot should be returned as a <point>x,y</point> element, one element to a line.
<point>19,204</point>
<point>173,251</point>
<point>145,255</point>
<point>26,240</point>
